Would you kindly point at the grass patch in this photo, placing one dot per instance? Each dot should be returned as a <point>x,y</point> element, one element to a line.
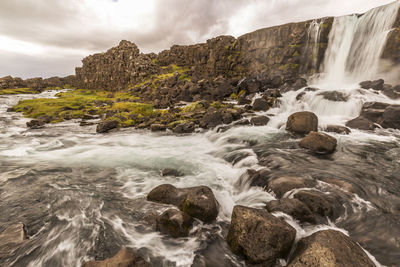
<point>18,91</point>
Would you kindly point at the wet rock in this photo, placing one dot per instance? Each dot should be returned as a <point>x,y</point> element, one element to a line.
<point>391,117</point>
<point>340,183</point>
<point>242,100</point>
<point>334,96</point>
<point>272,93</point>
<point>300,96</point>
<point>376,85</point>
<point>45,118</point>
<point>11,239</point>
<point>258,178</point>
<point>198,202</point>
<point>167,194</point>
<point>124,258</point>
<point>187,127</point>
<point>316,202</point>
<point>337,129</point>
<point>260,104</point>
<point>174,223</point>
<point>90,117</point>
<point>171,172</point>
<point>259,120</point>
<point>329,248</point>
<point>211,120</point>
<point>319,143</point>
<point>302,122</point>
<point>284,184</point>
<point>156,127</point>
<point>361,123</point>
<point>293,207</point>
<point>259,236</point>
<point>35,124</point>
<point>106,126</point>
<point>393,93</point>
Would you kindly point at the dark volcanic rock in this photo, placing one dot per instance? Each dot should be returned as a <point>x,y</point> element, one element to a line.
<point>211,120</point>
<point>198,202</point>
<point>256,178</point>
<point>361,123</point>
<point>329,248</point>
<point>316,202</point>
<point>260,237</point>
<point>35,124</point>
<point>106,126</point>
<point>187,127</point>
<point>337,129</point>
<point>174,223</point>
<point>294,207</point>
<point>319,143</point>
<point>259,120</point>
<point>283,184</point>
<point>334,96</point>
<point>302,122</point>
<point>124,258</point>
<point>11,239</point>
<point>391,117</point>
<point>156,127</point>
<point>260,104</point>
<point>376,85</point>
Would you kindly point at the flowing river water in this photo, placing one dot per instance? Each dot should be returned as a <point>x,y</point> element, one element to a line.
<point>82,195</point>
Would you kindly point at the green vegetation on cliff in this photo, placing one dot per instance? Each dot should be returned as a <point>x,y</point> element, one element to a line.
<point>17,91</point>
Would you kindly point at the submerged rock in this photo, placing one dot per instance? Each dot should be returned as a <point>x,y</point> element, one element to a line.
<point>35,124</point>
<point>284,184</point>
<point>329,248</point>
<point>334,96</point>
<point>302,122</point>
<point>319,143</point>
<point>124,258</point>
<point>316,202</point>
<point>11,239</point>
<point>337,129</point>
<point>174,223</point>
<point>259,120</point>
<point>198,202</point>
<point>259,236</point>
<point>293,207</point>
<point>361,123</point>
<point>171,172</point>
<point>106,126</point>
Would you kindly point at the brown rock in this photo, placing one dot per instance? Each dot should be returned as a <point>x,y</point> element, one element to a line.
<point>284,184</point>
<point>124,258</point>
<point>319,143</point>
<point>11,239</point>
<point>338,129</point>
<point>174,223</point>
<point>329,248</point>
<point>260,237</point>
<point>302,122</point>
<point>293,207</point>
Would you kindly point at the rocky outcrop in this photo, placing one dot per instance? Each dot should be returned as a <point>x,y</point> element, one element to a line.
<point>319,143</point>
<point>288,50</point>
<point>259,236</point>
<point>302,122</point>
<point>376,113</point>
<point>329,248</point>
<point>174,223</point>
<point>124,258</point>
<point>198,202</point>
<point>38,83</point>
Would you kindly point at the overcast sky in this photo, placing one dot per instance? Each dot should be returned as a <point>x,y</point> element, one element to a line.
<point>50,37</point>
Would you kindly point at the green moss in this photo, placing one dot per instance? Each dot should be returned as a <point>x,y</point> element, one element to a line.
<point>242,92</point>
<point>169,71</point>
<point>296,54</point>
<point>175,123</point>
<point>218,105</point>
<point>195,106</point>
<point>234,96</point>
<point>289,66</point>
<point>17,91</point>
<point>294,45</point>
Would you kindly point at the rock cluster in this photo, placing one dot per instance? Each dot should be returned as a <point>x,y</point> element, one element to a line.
<point>38,84</point>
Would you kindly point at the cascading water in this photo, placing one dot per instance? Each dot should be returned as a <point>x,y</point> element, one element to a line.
<point>312,48</point>
<point>356,44</point>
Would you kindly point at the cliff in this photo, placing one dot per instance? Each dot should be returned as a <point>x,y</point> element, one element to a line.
<point>289,50</point>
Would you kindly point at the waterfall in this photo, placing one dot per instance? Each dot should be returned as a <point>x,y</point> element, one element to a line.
<point>356,44</point>
<point>311,55</point>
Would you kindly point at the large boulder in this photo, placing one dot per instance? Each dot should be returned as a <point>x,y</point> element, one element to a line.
<point>106,126</point>
<point>361,123</point>
<point>260,104</point>
<point>259,120</point>
<point>259,236</point>
<point>284,184</point>
<point>302,122</point>
<point>11,239</point>
<point>35,124</point>
<point>198,202</point>
<point>124,258</point>
<point>174,223</point>
<point>293,207</point>
<point>329,248</point>
<point>319,143</point>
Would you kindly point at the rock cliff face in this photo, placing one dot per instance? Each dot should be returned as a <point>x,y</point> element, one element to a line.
<point>289,50</point>
<point>392,49</point>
